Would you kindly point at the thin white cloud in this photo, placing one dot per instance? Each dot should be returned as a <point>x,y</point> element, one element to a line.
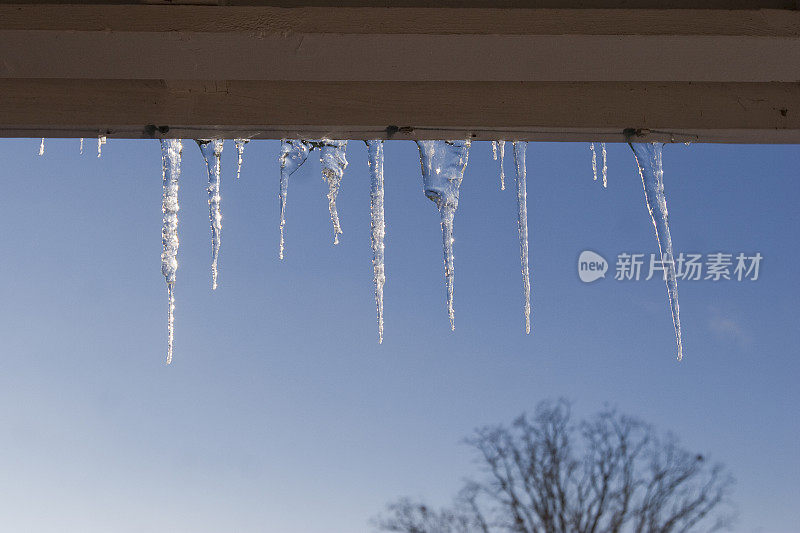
<point>728,328</point>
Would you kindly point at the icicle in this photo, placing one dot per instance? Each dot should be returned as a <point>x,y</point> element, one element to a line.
<point>212,150</point>
<point>101,140</point>
<point>170,174</point>
<point>375,151</point>
<point>605,167</point>
<point>240,152</point>
<point>332,157</point>
<point>170,321</point>
<point>443,164</point>
<point>41,147</point>
<point>502,168</point>
<point>294,153</point>
<point>502,146</point>
<point>520,148</point>
<point>648,158</point>
<point>81,145</point>
<point>593,148</point>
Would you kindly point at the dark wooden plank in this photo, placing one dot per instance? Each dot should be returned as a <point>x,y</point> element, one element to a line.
<point>506,4</point>
<point>262,71</point>
<point>398,20</point>
<point>364,44</point>
<point>552,111</point>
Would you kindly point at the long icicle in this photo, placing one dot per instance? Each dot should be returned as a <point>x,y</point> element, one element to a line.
<point>170,174</point>
<point>448,213</point>
<point>594,160</point>
<point>520,149</point>
<point>333,160</point>
<point>378,225</point>
<point>212,150</point>
<point>294,153</point>
<point>81,145</point>
<point>443,164</point>
<point>649,160</point>
<point>502,149</point>
<point>41,147</point>
<point>240,154</point>
<point>101,140</point>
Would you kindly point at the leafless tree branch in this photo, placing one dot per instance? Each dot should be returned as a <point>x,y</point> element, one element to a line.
<point>544,474</point>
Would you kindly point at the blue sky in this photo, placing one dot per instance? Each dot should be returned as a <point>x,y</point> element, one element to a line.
<point>282,413</point>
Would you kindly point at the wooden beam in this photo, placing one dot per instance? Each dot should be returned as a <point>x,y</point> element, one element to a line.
<point>366,44</point>
<point>430,72</point>
<point>547,111</point>
<point>499,4</point>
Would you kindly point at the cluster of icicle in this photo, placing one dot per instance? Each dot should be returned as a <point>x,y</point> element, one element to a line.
<point>651,170</point>
<point>332,157</point>
<point>171,170</point>
<point>442,163</point>
<point>101,140</point>
<point>294,152</point>
<point>604,168</point>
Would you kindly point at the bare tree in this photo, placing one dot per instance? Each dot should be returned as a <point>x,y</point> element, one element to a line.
<point>546,475</point>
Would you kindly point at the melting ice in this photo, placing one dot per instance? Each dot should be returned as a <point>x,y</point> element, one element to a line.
<point>332,157</point>
<point>500,146</point>
<point>375,161</point>
<point>605,166</point>
<point>212,150</point>
<point>648,158</point>
<point>294,153</point>
<point>593,148</point>
<point>170,174</point>
<point>443,164</point>
<point>520,149</point>
<point>239,143</point>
